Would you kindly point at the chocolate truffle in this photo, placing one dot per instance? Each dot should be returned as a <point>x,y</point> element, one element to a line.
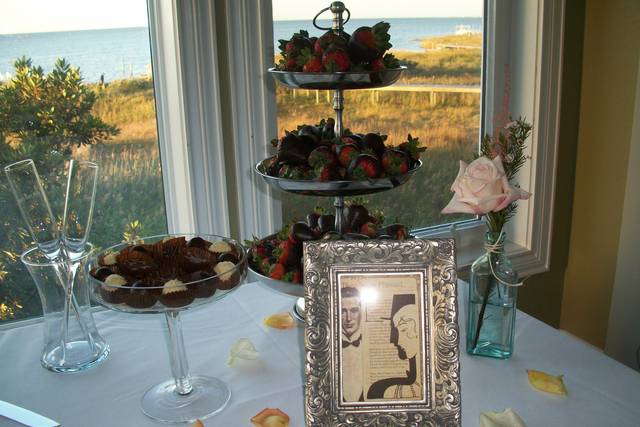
<point>227,275</point>
<point>111,290</point>
<point>139,296</point>
<point>194,259</point>
<point>204,286</point>
<point>175,294</point>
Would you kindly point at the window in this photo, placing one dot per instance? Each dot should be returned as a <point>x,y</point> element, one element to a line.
<point>215,107</point>
<point>437,99</point>
<point>523,38</point>
<point>111,53</point>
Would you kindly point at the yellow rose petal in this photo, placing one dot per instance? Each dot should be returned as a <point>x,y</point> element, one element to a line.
<point>545,382</point>
<point>270,417</point>
<point>280,321</point>
<point>242,349</point>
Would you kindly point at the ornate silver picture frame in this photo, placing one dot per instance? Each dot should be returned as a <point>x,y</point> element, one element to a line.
<point>381,333</point>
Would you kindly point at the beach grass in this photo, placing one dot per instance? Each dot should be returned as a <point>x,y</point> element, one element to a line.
<point>131,196</point>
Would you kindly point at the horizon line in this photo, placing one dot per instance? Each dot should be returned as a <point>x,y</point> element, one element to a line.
<point>275,20</point>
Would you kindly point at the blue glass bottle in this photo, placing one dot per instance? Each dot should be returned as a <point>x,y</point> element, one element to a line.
<point>492,303</point>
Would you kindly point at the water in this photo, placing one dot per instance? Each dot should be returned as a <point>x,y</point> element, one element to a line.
<point>124,52</point>
<point>406,33</point>
<point>114,53</point>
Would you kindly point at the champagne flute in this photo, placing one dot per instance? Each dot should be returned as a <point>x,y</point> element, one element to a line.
<point>36,212</point>
<point>79,201</point>
<point>34,207</point>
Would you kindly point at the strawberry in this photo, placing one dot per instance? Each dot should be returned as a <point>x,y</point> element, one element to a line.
<point>336,59</point>
<point>363,167</point>
<point>390,61</point>
<point>265,265</point>
<point>294,172</point>
<point>377,64</point>
<point>346,153</point>
<point>287,253</point>
<point>310,63</point>
<point>395,231</point>
<point>369,229</point>
<point>313,65</point>
<point>412,148</point>
<point>356,216</point>
<point>291,64</point>
<point>327,173</point>
<point>259,251</point>
<point>329,39</point>
<point>276,271</point>
<point>369,43</point>
<point>296,44</point>
<point>296,276</point>
<point>395,162</point>
<point>348,139</point>
<point>322,156</point>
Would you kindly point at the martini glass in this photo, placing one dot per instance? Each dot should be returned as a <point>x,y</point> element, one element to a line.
<point>185,397</point>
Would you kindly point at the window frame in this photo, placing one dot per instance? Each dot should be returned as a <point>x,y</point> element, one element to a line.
<point>533,54</point>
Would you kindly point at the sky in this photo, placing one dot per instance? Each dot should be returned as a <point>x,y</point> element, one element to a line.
<point>296,9</point>
<point>32,16</point>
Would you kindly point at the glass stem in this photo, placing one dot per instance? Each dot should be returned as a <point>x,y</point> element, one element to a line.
<point>177,354</point>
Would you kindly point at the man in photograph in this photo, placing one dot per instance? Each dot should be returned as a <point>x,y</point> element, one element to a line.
<point>352,346</point>
<point>405,335</point>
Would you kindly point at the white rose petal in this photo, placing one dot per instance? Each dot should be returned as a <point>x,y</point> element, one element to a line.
<point>242,349</point>
<point>506,418</point>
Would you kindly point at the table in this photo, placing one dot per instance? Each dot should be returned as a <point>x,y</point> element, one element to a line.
<point>602,392</point>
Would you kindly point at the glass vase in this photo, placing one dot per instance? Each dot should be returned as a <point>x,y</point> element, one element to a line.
<point>493,293</point>
<point>71,340</point>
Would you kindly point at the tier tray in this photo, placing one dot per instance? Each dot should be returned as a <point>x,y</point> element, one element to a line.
<point>288,288</point>
<point>335,188</point>
<point>339,80</point>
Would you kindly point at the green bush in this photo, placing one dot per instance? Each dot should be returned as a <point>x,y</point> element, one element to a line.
<point>42,117</point>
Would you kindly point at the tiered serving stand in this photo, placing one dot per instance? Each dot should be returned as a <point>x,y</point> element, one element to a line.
<point>338,82</point>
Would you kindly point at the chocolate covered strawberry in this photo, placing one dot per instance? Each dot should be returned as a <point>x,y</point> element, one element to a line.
<point>395,162</point>
<point>374,142</point>
<point>395,231</point>
<point>356,216</point>
<point>294,149</point>
<point>301,232</point>
<point>294,172</point>
<point>346,153</point>
<point>330,39</point>
<point>327,173</point>
<point>412,148</point>
<point>336,60</point>
<point>365,166</point>
<point>369,43</point>
<point>369,229</point>
<point>322,156</point>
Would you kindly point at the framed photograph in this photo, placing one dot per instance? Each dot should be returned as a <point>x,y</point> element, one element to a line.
<point>381,333</point>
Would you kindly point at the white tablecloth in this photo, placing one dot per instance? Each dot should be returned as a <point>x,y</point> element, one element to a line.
<point>602,392</point>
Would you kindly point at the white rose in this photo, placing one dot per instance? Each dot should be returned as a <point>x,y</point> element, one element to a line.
<point>482,187</point>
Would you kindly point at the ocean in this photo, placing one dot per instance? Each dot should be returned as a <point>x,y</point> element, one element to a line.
<point>124,52</point>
